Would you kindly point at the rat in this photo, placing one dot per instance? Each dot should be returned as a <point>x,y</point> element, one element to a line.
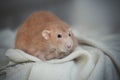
<point>45,36</point>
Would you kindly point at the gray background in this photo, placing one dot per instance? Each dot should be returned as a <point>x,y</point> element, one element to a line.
<point>75,12</point>
<point>96,18</point>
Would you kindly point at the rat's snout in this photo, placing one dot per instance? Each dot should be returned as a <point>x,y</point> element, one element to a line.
<point>69,45</point>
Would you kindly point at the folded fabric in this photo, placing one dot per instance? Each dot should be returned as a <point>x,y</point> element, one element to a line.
<point>91,60</point>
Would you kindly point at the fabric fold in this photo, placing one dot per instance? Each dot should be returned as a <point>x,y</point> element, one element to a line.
<point>92,60</point>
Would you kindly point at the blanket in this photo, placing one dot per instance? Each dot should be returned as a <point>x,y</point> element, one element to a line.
<point>91,60</point>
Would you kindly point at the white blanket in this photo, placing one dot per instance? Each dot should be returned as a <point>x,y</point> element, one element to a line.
<point>94,60</point>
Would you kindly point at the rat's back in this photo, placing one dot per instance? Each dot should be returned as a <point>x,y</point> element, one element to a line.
<point>41,17</point>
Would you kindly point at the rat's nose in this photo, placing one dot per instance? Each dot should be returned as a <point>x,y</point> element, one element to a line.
<point>68,46</point>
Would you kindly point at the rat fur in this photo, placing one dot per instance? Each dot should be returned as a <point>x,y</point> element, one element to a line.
<point>45,36</point>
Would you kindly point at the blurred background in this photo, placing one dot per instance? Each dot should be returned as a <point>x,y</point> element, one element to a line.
<point>95,18</point>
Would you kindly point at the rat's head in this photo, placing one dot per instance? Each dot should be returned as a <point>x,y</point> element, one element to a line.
<point>60,37</point>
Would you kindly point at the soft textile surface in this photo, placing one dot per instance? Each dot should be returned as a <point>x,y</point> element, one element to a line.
<point>91,60</point>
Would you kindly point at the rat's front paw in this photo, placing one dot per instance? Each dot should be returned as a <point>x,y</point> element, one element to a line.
<point>62,55</point>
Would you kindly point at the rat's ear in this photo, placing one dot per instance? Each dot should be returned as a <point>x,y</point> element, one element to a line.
<point>46,34</point>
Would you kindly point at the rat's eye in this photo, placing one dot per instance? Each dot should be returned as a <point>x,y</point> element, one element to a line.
<point>70,34</point>
<point>59,36</point>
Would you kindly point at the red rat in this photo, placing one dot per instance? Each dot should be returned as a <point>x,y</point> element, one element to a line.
<point>45,36</point>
